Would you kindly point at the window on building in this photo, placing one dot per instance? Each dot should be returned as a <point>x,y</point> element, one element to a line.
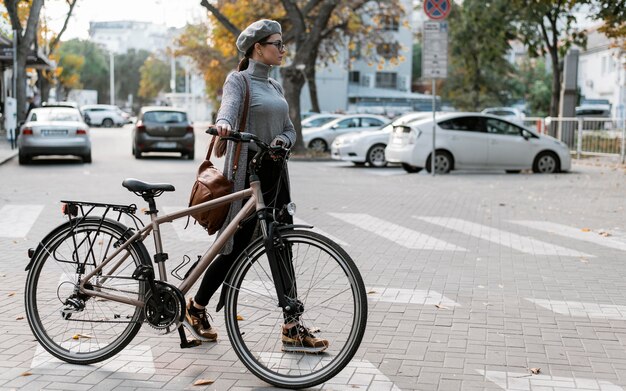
<point>386,80</point>
<point>390,22</point>
<point>355,52</point>
<point>354,77</point>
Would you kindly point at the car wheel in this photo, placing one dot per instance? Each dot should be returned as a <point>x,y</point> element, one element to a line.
<point>137,153</point>
<point>546,163</point>
<point>411,169</point>
<point>23,159</point>
<point>87,158</point>
<point>376,156</point>
<point>443,162</point>
<point>318,145</point>
<point>513,171</point>
<point>190,155</point>
<point>107,123</point>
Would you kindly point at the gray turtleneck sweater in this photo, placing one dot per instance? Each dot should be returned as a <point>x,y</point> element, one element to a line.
<point>268,118</point>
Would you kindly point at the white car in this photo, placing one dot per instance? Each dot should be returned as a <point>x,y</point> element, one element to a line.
<point>369,147</point>
<point>317,120</point>
<point>319,139</point>
<point>105,115</point>
<point>475,141</point>
<point>510,113</point>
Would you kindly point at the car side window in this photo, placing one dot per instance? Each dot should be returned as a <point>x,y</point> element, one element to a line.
<point>495,126</point>
<point>467,124</point>
<point>348,123</point>
<point>33,117</point>
<point>369,122</point>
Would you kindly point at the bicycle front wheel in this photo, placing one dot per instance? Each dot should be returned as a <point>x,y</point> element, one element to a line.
<point>75,327</point>
<point>333,296</point>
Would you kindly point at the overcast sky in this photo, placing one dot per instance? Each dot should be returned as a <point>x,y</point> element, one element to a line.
<point>173,13</point>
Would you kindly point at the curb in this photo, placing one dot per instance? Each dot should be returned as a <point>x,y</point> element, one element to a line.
<point>4,159</point>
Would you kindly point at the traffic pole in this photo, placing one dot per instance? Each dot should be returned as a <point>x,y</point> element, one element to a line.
<point>432,160</point>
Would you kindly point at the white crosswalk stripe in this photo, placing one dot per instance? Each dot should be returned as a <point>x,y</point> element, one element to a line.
<point>193,232</point>
<point>17,220</point>
<point>133,359</point>
<point>409,296</point>
<point>508,239</point>
<point>396,233</point>
<point>574,233</point>
<point>520,381</point>
<point>335,239</point>
<point>582,309</point>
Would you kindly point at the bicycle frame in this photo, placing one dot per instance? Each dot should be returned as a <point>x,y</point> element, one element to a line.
<point>254,203</point>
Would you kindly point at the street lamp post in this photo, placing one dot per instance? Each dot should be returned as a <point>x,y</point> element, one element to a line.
<point>112,77</point>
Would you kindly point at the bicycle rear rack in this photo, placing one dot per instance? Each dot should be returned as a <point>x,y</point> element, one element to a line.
<point>84,209</point>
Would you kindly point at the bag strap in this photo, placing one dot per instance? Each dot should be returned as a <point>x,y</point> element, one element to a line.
<point>244,121</point>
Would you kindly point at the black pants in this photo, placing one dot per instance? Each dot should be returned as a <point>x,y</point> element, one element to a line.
<point>275,187</point>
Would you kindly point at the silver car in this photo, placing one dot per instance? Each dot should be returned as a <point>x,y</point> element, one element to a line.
<point>319,139</point>
<point>54,131</point>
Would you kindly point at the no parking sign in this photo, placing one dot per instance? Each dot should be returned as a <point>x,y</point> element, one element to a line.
<point>437,9</point>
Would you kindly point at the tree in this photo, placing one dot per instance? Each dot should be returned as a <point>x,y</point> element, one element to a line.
<point>416,71</point>
<point>94,74</point>
<point>480,32</point>
<point>46,77</point>
<point>310,27</point>
<point>25,40</point>
<point>128,75</point>
<point>613,13</point>
<point>155,77</point>
<point>550,26</point>
<point>532,83</point>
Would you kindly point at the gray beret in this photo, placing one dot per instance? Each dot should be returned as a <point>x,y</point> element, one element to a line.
<point>255,32</point>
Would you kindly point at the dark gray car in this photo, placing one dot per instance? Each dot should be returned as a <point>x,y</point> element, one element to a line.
<point>163,129</point>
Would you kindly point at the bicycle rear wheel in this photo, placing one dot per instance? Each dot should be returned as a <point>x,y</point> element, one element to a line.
<point>96,328</point>
<point>331,290</point>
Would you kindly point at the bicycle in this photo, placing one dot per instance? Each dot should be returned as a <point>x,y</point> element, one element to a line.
<point>92,284</point>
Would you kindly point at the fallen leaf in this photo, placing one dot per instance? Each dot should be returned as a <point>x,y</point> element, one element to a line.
<point>25,374</point>
<point>605,234</point>
<point>203,382</point>
<point>78,336</point>
<point>371,292</point>
<point>442,307</point>
<point>19,318</point>
<point>239,317</point>
<point>585,230</point>
<point>535,371</point>
<point>11,294</point>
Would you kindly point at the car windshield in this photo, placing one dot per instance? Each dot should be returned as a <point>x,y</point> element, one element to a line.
<point>166,117</point>
<point>318,121</point>
<point>55,115</point>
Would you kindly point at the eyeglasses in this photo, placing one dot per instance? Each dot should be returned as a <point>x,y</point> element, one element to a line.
<point>280,45</point>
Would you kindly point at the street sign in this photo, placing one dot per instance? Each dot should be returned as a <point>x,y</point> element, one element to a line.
<point>437,9</point>
<point>435,50</point>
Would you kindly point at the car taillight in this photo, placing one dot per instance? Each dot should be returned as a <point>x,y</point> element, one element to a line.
<point>27,131</point>
<point>189,129</point>
<point>140,127</point>
<point>81,131</point>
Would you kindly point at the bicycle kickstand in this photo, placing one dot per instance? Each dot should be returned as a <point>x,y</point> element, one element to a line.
<point>184,342</point>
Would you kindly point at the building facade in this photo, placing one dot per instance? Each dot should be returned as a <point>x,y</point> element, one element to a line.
<point>120,36</point>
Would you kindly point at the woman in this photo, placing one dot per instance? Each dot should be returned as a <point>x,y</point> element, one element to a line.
<point>268,118</point>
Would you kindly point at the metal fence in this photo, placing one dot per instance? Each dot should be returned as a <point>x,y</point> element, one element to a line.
<point>585,136</point>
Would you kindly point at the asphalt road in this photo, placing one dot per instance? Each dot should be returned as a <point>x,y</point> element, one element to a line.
<point>473,278</point>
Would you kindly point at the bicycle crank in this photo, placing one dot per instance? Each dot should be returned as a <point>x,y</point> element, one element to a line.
<point>164,306</point>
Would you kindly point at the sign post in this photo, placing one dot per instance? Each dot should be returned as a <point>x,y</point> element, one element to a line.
<point>435,54</point>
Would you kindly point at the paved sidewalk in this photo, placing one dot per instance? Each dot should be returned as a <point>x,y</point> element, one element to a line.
<point>6,153</point>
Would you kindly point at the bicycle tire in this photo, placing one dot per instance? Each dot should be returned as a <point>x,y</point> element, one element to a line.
<point>337,304</point>
<point>104,327</point>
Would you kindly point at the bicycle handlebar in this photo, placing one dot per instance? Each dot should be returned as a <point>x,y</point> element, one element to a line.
<point>274,151</point>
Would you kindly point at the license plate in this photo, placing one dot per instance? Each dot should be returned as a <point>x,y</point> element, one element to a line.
<point>165,145</point>
<point>54,132</point>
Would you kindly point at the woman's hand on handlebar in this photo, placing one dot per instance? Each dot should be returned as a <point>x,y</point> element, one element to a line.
<point>223,129</point>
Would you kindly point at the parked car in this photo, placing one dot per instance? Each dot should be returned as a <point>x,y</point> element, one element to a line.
<point>510,113</point>
<point>54,131</point>
<point>106,115</point>
<point>73,105</point>
<point>475,141</point>
<point>319,139</point>
<point>317,120</point>
<point>369,147</point>
<point>163,129</point>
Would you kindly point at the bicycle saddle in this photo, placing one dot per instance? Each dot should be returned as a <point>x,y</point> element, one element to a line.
<point>137,186</point>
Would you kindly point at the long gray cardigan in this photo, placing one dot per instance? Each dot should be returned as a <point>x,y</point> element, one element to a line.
<point>230,112</point>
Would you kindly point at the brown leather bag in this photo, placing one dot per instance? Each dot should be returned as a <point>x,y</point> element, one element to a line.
<point>220,146</point>
<point>210,184</point>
